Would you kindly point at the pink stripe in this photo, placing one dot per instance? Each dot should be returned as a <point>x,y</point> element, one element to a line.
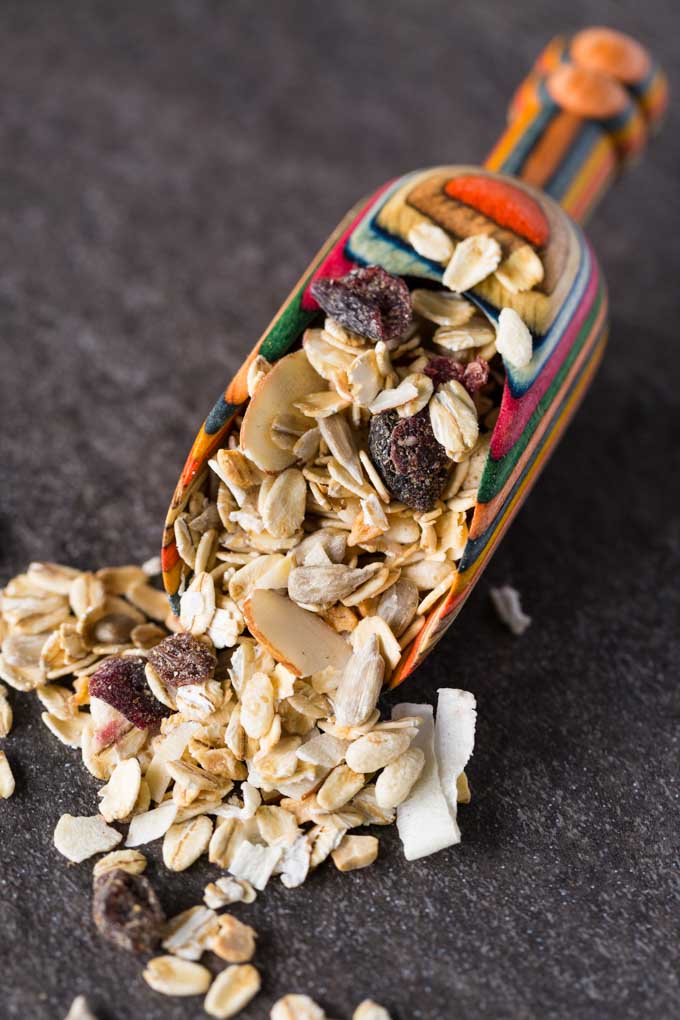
<point>516,412</point>
<point>336,262</point>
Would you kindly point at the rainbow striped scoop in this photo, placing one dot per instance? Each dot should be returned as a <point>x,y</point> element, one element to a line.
<point>559,138</point>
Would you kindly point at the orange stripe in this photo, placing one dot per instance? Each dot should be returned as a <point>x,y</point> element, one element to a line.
<point>553,145</point>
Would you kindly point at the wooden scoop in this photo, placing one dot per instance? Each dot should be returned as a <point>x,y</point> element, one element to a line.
<point>582,114</point>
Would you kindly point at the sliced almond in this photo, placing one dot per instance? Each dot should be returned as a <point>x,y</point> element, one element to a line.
<point>387,643</point>
<point>474,259</point>
<point>364,378</point>
<point>302,641</point>
<point>290,380</point>
<point>322,404</point>
<point>327,359</point>
<point>405,392</point>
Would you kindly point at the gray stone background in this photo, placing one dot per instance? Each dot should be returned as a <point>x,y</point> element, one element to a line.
<point>167,171</point>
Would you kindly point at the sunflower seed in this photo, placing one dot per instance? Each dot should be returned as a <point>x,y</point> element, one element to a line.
<point>360,685</point>
<point>339,787</point>
<point>396,781</point>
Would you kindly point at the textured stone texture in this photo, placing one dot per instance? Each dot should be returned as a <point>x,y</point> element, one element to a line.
<point>167,171</point>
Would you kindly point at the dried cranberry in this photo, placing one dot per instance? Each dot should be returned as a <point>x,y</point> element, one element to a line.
<point>126,911</point>
<point>472,376</point>
<point>121,683</point>
<point>368,301</point>
<point>182,659</point>
<point>476,375</point>
<point>410,461</point>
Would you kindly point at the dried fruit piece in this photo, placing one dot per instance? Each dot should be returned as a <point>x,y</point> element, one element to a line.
<point>126,911</point>
<point>121,683</point>
<point>368,301</point>
<point>410,461</point>
<point>472,376</point>
<point>182,659</point>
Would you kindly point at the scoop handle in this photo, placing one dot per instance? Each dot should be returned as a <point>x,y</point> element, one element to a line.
<point>583,113</point>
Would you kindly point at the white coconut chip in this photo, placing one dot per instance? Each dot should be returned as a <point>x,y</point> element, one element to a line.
<point>294,865</point>
<point>424,821</point>
<point>507,604</point>
<point>78,838</point>
<point>254,863</point>
<point>454,739</point>
<point>152,824</point>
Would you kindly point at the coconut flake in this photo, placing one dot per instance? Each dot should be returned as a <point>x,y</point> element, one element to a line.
<point>454,739</point>
<point>152,824</point>
<point>424,821</point>
<point>80,838</point>
<point>507,604</point>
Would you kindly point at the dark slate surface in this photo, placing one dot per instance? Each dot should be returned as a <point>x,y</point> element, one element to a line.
<point>168,169</point>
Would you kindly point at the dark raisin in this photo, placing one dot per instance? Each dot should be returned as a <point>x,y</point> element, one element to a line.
<point>121,683</point>
<point>368,301</point>
<point>410,461</point>
<point>126,911</point>
<point>182,659</point>
<point>472,376</point>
